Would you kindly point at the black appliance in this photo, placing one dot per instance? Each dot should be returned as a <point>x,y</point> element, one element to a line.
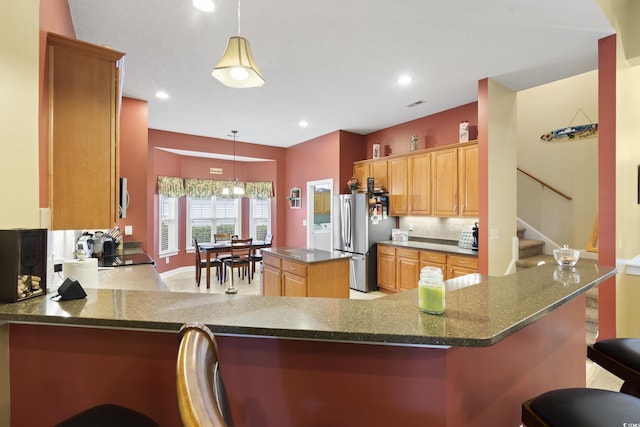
<point>23,264</point>
<point>475,237</point>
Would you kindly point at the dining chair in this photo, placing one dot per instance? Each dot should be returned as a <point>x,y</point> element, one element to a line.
<point>202,263</point>
<point>202,398</point>
<point>256,254</point>
<point>240,253</point>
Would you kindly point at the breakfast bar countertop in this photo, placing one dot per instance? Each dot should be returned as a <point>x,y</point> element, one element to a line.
<point>481,310</point>
<point>305,255</point>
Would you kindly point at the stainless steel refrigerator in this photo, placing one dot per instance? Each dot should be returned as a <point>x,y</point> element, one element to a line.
<point>357,227</point>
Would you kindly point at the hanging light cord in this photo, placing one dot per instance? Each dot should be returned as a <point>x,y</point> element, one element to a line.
<point>238,19</point>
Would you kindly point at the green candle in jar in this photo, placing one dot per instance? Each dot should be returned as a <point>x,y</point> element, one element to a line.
<point>431,291</point>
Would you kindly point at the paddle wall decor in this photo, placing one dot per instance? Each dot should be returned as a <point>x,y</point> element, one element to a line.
<point>570,132</point>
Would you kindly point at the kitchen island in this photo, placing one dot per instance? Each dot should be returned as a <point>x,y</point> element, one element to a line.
<point>312,361</point>
<point>301,272</point>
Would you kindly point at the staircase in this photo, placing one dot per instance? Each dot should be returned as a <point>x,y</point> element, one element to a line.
<point>530,254</point>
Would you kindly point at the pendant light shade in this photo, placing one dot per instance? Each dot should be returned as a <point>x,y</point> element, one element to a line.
<point>237,68</point>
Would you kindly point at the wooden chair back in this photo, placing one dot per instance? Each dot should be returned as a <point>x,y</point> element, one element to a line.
<point>202,399</point>
<point>241,248</point>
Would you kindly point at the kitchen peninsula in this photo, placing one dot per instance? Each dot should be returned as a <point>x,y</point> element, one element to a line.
<point>301,361</point>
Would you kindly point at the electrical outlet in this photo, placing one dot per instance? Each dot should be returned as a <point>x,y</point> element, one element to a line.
<point>128,230</point>
<point>410,227</point>
<point>166,260</point>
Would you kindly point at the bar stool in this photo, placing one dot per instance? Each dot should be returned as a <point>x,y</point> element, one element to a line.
<point>621,357</point>
<point>583,407</point>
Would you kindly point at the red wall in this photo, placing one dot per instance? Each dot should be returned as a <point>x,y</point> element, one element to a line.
<point>607,183</point>
<point>313,160</point>
<point>55,18</point>
<point>133,166</point>
<point>433,131</point>
<point>71,369</point>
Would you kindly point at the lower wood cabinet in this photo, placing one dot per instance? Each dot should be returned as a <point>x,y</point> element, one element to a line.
<point>284,277</point>
<point>399,267</point>
<point>459,265</point>
<point>407,268</point>
<point>387,267</point>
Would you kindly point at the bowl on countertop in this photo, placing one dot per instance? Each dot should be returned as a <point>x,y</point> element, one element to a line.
<point>566,257</point>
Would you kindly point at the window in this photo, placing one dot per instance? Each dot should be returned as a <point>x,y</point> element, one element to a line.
<point>209,216</point>
<point>168,225</point>
<point>260,221</point>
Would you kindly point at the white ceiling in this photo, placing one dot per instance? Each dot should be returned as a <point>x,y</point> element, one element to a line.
<point>335,63</point>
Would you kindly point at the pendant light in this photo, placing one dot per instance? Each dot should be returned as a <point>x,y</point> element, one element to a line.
<point>237,189</point>
<point>237,68</point>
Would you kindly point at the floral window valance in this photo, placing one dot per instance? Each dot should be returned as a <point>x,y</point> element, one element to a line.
<point>259,190</point>
<point>170,186</point>
<point>204,188</point>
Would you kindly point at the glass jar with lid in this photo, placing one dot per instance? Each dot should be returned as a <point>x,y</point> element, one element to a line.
<point>431,291</point>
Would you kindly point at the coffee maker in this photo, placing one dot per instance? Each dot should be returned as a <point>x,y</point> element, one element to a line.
<point>475,237</point>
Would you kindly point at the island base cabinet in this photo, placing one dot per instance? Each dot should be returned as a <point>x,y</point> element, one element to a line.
<point>271,281</point>
<point>284,277</point>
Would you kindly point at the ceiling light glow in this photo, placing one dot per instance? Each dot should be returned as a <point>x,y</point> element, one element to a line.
<point>204,5</point>
<point>405,80</point>
<point>303,123</point>
<point>162,94</point>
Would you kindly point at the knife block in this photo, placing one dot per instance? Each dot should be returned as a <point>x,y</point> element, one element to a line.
<point>23,264</point>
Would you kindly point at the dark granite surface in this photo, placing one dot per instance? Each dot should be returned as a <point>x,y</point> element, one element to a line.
<point>481,310</point>
<point>431,246</point>
<point>305,255</point>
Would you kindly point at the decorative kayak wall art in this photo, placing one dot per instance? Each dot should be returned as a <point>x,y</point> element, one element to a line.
<point>570,133</point>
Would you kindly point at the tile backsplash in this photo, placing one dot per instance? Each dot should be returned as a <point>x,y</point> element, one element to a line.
<point>435,227</point>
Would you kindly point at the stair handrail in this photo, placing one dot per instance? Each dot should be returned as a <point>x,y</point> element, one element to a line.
<point>544,184</point>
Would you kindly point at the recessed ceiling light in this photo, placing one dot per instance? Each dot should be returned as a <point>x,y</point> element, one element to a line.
<point>303,123</point>
<point>162,95</point>
<point>204,5</point>
<point>405,80</point>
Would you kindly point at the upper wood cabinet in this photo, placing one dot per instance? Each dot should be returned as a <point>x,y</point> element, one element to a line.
<point>84,104</point>
<point>376,169</point>
<point>441,181</point>
<point>419,177</point>
<point>398,186</point>
<point>468,198</point>
<point>444,176</point>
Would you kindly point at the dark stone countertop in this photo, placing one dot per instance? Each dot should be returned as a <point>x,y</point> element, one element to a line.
<point>431,246</point>
<point>481,310</point>
<point>305,255</point>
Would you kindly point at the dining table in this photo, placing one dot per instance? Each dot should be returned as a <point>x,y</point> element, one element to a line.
<point>225,247</point>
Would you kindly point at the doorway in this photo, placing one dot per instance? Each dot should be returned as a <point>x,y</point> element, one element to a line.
<point>319,204</point>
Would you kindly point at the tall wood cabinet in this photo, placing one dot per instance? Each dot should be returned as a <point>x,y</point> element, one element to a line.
<point>468,197</point>
<point>398,186</point>
<point>444,176</point>
<point>419,173</point>
<point>84,114</point>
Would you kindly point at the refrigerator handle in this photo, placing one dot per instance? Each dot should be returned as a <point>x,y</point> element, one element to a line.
<point>347,237</point>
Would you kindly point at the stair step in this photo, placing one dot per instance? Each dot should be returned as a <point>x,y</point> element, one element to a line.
<point>529,247</point>
<point>520,232</point>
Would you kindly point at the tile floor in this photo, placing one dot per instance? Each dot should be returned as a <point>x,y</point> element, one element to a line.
<point>183,280</point>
